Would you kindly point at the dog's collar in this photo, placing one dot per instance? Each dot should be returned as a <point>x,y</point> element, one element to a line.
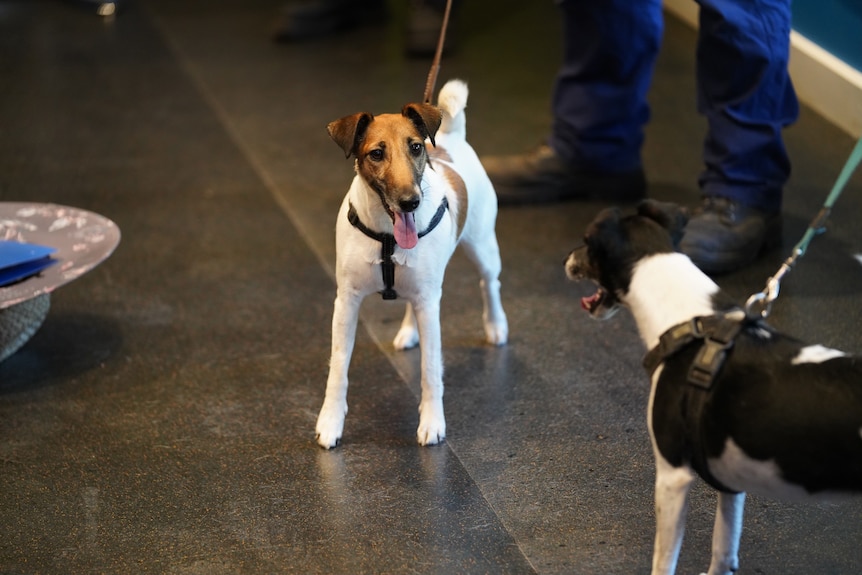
<point>387,247</point>
<point>717,333</point>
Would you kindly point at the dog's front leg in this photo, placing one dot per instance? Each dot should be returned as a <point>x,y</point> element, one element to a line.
<point>671,504</point>
<point>345,315</point>
<point>432,422</point>
<point>725,535</point>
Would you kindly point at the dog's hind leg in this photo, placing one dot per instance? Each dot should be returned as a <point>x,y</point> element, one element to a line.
<point>671,505</point>
<point>330,421</point>
<point>408,334</point>
<point>485,255</point>
<point>725,535</point>
<point>493,317</point>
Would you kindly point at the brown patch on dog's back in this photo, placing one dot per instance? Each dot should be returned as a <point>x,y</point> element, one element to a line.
<point>440,163</point>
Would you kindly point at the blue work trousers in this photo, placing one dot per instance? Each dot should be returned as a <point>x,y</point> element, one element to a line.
<point>743,89</point>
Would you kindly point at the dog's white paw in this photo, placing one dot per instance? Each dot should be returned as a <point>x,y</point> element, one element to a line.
<point>406,338</point>
<point>431,435</point>
<point>432,425</point>
<point>497,333</point>
<point>330,425</point>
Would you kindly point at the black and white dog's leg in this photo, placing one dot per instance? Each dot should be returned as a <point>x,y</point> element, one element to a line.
<point>408,334</point>
<point>725,535</point>
<point>672,485</point>
<point>345,315</point>
<point>432,422</point>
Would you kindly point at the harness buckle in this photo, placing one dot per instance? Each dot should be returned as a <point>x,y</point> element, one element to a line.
<point>709,360</point>
<point>712,354</point>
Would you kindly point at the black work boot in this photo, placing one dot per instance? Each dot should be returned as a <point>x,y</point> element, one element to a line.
<point>724,235</point>
<point>541,176</point>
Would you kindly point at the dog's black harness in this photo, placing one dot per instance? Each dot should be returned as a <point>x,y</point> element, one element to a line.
<point>387,247</point>
<point>715,335</point>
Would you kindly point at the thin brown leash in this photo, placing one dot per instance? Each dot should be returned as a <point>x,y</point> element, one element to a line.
<point>435,65</point>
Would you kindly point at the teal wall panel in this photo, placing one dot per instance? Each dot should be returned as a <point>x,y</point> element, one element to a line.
<point>834,25</point>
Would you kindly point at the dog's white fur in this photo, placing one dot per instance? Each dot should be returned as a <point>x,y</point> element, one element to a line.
<point>419,271</point>
<point>657,310</point>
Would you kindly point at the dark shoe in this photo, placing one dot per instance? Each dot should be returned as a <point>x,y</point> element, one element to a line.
<point>542,177</point>
<point>308,19</point>
<point>424,21</point>
<point>723,235</point>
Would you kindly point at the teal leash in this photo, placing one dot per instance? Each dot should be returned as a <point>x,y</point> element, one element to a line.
<point>765,298</point>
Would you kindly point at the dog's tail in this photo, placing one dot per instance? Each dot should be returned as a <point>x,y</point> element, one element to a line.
<point>452,100</point>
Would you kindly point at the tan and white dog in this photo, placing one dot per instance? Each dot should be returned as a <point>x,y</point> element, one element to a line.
<point>409,205</point>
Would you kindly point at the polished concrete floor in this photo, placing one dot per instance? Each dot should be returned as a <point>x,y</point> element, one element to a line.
<point>162,419</point>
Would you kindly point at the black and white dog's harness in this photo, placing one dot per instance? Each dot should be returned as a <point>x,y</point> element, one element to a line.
<point>387,247</point>
<point>715,335</point>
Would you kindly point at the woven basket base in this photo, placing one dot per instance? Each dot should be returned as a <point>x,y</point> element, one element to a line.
<point>19,322</point>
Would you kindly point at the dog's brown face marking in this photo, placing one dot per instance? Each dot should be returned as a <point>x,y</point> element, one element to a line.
<point>390,151</point>
<point>391,158</point>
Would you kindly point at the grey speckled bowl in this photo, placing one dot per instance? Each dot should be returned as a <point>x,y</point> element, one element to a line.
<point>82,240</point>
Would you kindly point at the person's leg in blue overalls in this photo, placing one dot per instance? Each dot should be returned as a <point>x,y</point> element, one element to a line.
<point>745,92</point>
<point>600,108</point>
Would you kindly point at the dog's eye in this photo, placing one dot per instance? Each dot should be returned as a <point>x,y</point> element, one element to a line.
<point>376,154</point>
<point>416,148</point>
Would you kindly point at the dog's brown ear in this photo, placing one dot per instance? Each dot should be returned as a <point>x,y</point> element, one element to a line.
<point>668,215</point>
<point>349,131</point>
<point>425,117</point>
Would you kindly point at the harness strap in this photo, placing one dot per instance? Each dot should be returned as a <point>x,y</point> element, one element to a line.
<point>717,332</point>
<point>387,244</point>
<point>693,403</point>
<point>716,345</point>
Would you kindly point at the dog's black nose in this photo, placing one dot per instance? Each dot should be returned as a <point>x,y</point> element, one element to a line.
<point>408,205</point>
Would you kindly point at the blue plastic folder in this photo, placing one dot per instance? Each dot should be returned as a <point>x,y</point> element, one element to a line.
<point>19,261</point>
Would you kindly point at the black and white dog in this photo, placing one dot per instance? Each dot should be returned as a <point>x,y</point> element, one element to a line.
<point>746,408</point>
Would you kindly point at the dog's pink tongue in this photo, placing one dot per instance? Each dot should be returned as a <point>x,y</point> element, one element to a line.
<point>588,303</point>
<point>405,230</point>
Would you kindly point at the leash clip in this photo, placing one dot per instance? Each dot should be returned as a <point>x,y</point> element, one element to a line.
<point>817,226</point>
<point>764,299</point>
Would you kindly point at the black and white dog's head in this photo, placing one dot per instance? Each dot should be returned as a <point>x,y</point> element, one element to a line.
<point>614,243</point>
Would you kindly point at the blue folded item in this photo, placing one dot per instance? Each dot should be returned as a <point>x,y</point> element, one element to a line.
<point>19,260</point>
